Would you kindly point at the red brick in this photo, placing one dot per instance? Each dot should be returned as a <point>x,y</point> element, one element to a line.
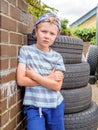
<point>8,51</point>
<point>3,93</point>
<point>11,125</point>
<point>4,36</point>
<point>13,34</point>
<point>22,125</point>
<point>13,112</point>
<point>3,105</point>
<point>16,110</point>
<point>20,117</point>
<point>13,2</point>
<point>4,118</point>
<point>22,5</point>
<point>12,100</point>
<point>4,64</point>
<point>23,18</point>
<point>13,63</point>
<point>8,77</point>
<point>20,94</point>
<point>25,39</point>
<point>15,38</point>
<point>4,7</point>
<point>22,28</point>
<point>31,22</point>
<point>8,24</point>
<point>15,13</point>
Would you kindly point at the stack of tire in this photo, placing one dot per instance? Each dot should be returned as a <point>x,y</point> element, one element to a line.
<point>81,113</point>
<point>92,59</point>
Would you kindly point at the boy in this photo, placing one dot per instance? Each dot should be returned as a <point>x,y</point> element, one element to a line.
<point>40,70</point>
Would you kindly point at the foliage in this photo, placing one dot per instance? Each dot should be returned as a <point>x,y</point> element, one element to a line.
<point>37,8</point>
<point>93,40</point>
<point>86,34</point>
<point>64,29</point>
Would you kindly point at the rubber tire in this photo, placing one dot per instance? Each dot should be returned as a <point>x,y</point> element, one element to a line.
<point>76,75</point>
<point>92,58</point>
<point>77,100</point>
<point>96,74</point>
<point>85,120</point>
<point>92,79</point>
<point>31,39</point>
<point>70,48</point>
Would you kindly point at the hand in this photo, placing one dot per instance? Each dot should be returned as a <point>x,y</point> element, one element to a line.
<point>59,75</point>
<point>56,75</point>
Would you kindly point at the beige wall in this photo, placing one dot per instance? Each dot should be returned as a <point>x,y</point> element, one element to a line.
<point>91,22</point>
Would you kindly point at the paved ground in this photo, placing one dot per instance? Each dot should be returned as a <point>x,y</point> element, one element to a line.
<point>95,92</point>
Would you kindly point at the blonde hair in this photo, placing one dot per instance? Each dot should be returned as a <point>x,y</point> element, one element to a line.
<point>52,20</point>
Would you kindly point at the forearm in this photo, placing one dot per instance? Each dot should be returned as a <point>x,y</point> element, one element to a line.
<point>22,79</point>
<point>52,81</point>
<point>25,81</point>
<point>47,82</point>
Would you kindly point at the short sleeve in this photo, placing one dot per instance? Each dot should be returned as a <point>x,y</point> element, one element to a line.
<point>60,64</point>
<point>22,55</point>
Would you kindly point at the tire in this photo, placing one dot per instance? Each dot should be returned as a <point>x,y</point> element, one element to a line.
<point>96,74</point>
<point>70,48</point>
<point>92,79</point>
<point>85,120</point>
<point>69,57</point>
<point>77,100</point>
<point>76,75</point>
<point>92,58</point>
<point>31,39</point>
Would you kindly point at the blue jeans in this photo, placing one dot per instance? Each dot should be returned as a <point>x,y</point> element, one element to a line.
<point>45,118</point>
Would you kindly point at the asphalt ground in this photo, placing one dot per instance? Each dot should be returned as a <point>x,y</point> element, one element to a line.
<point>95,93</point>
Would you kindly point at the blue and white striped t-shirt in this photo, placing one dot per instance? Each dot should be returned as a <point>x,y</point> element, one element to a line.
<point>43,63</point>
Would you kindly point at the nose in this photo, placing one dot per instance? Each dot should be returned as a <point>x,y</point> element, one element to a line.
<point>47,35</point>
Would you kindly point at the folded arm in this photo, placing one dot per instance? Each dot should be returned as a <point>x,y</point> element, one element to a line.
<point>22,79</point>
<point>30,78</point>
<point>52,81</point>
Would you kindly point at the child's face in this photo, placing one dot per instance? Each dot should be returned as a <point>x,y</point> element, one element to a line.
<point>46,33</point>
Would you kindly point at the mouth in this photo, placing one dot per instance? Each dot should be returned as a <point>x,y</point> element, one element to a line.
<point>45,41</point>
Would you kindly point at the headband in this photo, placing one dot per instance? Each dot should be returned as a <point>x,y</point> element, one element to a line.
<point>46,17</point>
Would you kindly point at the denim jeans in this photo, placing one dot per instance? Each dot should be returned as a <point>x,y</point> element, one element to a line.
<point>45,118</point>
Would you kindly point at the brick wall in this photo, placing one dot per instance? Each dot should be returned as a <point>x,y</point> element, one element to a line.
<point>13,34</point>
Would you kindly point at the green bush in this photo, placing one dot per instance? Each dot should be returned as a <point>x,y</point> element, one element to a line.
<point>93,40</point>
<point>38,8</point>
<point>86,34</point>
<point>64,29</point>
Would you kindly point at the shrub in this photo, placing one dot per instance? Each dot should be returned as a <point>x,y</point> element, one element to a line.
<point>86,34</point>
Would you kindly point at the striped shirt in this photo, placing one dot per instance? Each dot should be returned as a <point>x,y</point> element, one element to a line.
<point>43,63</point>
